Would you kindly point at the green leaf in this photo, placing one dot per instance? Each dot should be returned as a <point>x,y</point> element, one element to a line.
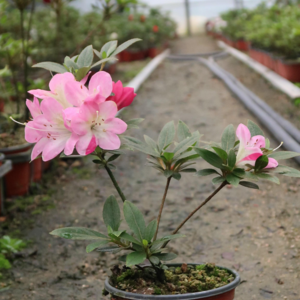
<point>211,157</point>
<point>183,131</point>
<point>168,155</point>
<point>158,243</point>
<point>111,249</point>
<point>268,177</point>
<point>135,258</point>
<point>140,146</point>
<point>85,58</point>
<point>105,60</point>
<point>267,143</point>
<point>287,171</point>
<point>129,238</point>
<point>261,163</point>
<point>155,260</point>
<point>231,159</point>
<point>111,213</point>
<point>108,48</point>
<point>254,129</point>
<point>78,233</point>
<point>150,230</point>
<point>176,176</point>
<point>249,185</point>
<point>113,157</point>
<point>218,180</point>
<point>122,258</point>
<point>283,155</point>
<point>150,142</point>
<point>228,138</point>
<point>185,144</point>
<point>125,46</point>
<point>222,153</point>
<point>168,173</point>
<point>80,74</point>
<point>134,219</point>
<point>70,63</point>
<point>188,170</point>
<point>206,172</point>
<point>98,162</point>
<point>93,246</point>
<point>166,135</point>
<point>239,172</point>
<point>134,123</point>
<point>166,256</point>
<point>51,66</point>
<point>232,179</point>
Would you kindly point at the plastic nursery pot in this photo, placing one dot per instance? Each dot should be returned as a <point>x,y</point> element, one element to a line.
<point>152,52</point>
<point>223,293</point>
<point>127,56</point>
<point>1,105</point>
<point>268,60</point>
<point>5,167</point>
<point>37,169</point>
<point>290,71</point>
<point>18,179</point>
<point>242,45</point>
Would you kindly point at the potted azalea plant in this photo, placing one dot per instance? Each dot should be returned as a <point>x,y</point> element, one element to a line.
<point>75,117</point>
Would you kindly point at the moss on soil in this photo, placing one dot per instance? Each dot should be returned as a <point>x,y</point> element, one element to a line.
<point>180,280</point>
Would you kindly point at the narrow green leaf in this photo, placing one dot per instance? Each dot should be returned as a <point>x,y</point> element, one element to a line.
<point>140,146</point>
<point>254,129</point>
<point>135,258</point>
<point>134,219</point>
<point>78,233</point>
<point>134,123</point>
<point>150,142</point>
<point>166,256</point>
<point>85,58</point>
<point>177,176</point>
<point>168,173</point>
<point>231,159</point>
<point>206,172</point>
<point>155,260</point>
<point>287,171</point>
<point>111,249</point>
<point>113,157</point>
<point>185,144</point>
<point>123,258</point>
<point>70,63</point>
<point>283,155</point>
<point>168,155</point>
<point>109,48</point>
<point>158,243</point>
<point>80,74</point>
<point>221,153</point>
<point>232,179</point>
<point>249,185</point>
<point>129,238</point>
<point>93,246</point>
<point>239,172</point>
<point>211,157</point>
<point>51,66</point>
<point>105,60</point>
<point>150,230</point>
<point>166,135</point>
<point>218,180</point>
<point>125,46</point>
<point>111,213</point>
<point>188,170</point>
<point>268,177</point>
<point>98,162</point>
<point>183,131</point>
<point>228,138</point>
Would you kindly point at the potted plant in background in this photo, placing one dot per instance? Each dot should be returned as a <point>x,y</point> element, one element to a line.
<point>84,118</point>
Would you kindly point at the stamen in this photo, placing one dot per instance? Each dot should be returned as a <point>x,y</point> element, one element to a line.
<point>103,120</point>
<point>104,130</point>
<point>278,146</point>
<point>17,121</point>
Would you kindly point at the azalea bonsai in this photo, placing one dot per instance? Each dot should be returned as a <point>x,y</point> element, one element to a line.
<point>75,116</point>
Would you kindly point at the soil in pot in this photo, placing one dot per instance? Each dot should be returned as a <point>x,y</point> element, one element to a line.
<point>9,140</point>
<point>179,280</point>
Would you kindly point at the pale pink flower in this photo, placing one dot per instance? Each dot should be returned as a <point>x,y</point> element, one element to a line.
<point>250,148</point>
<point>97,126</point>
<point>34,107</point>
<point>100,87</point>
<point>57,89</point>
<point>123,96</point>
<point>50,131</point>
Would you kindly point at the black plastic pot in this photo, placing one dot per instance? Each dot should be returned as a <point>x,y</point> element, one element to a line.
<point>223,293</point>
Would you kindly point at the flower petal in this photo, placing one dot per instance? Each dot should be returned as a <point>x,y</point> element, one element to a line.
<point>75,92</point>
<point>41,94</point>
<point>52,110</point>
<point>92,146</point>
<point>32,135</point>
<point>273,163</point>
<point>243,134</point>
<point>34,107</point>
<point>55,146</point>
<point>258,141</point>
<point>108,141</point>
<point>38,148</point>
<point>101,82</point>
<point>84,143</point>
<point>108,110</point>
<point>70,145</point>
<point>115,125</point>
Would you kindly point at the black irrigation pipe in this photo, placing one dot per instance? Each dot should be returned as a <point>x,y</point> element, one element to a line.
<point>278,126</point>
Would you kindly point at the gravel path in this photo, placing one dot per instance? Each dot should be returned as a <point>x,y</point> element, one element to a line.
<point>255,232</point>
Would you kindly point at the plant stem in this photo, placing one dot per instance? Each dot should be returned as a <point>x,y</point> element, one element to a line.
<point>113,179</point>
<point>194,211</point>
<point>162,206</point>
<point>202,204</point>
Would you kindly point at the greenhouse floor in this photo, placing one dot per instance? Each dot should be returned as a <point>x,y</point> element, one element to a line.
<point>256,232</point>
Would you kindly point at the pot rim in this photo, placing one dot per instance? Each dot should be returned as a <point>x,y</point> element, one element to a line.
<point>14,148</point>
<point>2,156</point>
<point>190,296</point>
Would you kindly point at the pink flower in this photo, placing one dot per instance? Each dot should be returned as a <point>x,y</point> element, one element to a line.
<point>57,89</point>
<point>97,126</point>
<point>100,87</point>
<point>50,131</point>
<point>123,96</point>
<point>34,107</point>
<point>250,148</point>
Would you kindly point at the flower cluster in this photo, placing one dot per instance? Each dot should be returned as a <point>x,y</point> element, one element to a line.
<point>74,116</point>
